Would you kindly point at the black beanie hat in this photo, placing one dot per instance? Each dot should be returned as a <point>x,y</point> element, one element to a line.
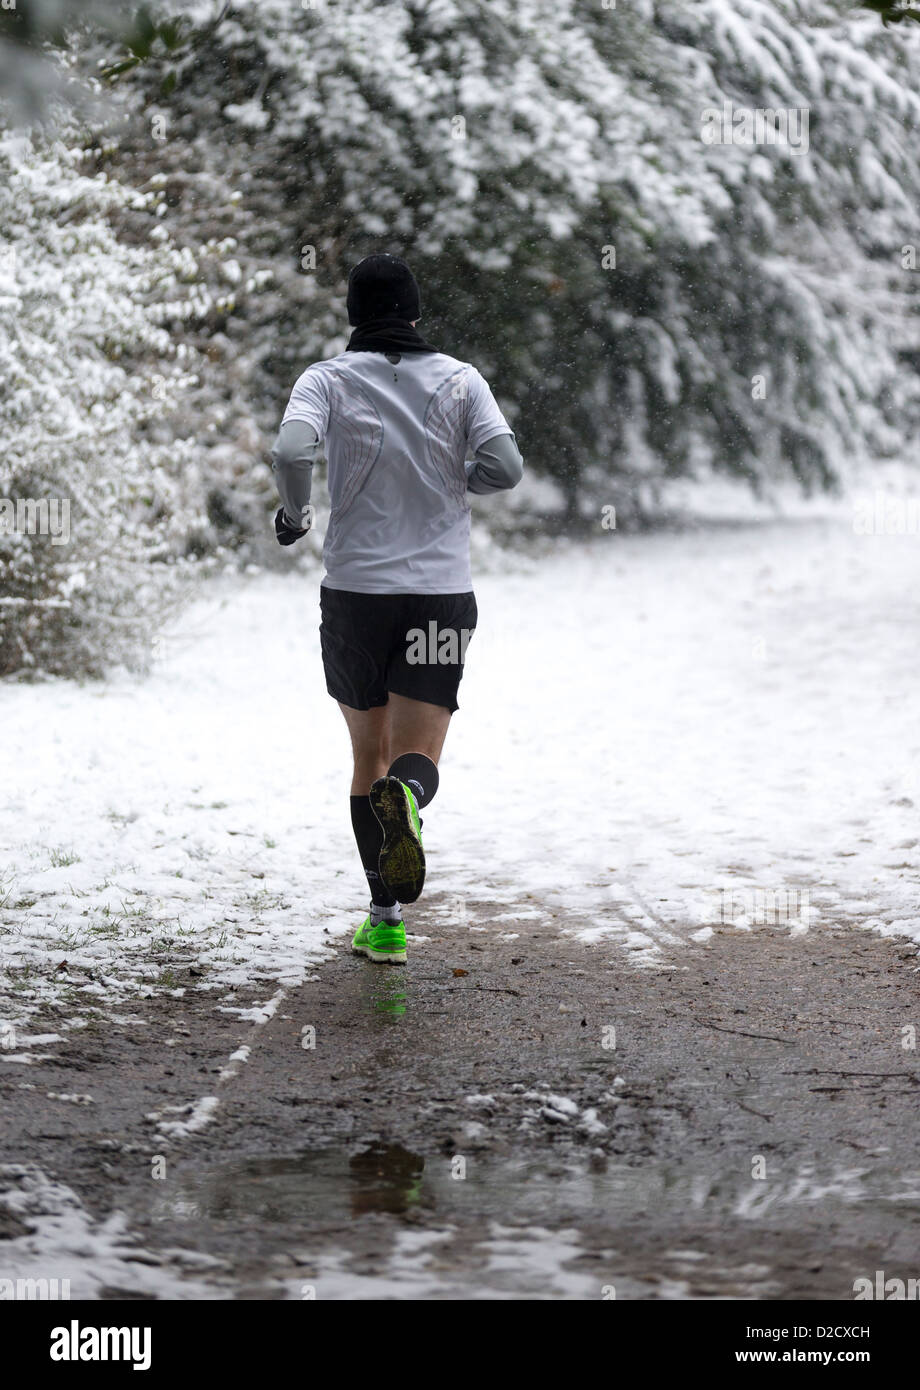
<point>382,287</point>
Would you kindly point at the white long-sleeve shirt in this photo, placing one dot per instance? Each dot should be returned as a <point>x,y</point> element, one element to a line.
<point>398,431</point>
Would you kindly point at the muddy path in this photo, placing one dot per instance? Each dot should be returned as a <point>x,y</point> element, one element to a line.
<point>508,1116</point>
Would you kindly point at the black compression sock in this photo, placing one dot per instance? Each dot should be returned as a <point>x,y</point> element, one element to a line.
<point>369,839</point>
<point>419,773</point>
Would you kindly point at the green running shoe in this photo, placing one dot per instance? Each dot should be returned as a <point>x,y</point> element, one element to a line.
<point>402,858</point>
<point>384,943</point>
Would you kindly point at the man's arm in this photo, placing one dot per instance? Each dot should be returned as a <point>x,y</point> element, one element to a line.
<point>497,465</point>
<point>296,450</point>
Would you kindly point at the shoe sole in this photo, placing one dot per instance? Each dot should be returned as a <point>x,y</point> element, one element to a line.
<point>381,957</point>
<point>402,858</point>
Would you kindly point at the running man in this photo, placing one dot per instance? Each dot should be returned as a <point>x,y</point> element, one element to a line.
<point>408,432</point>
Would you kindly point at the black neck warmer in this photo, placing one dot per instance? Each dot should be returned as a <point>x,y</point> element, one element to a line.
<point>389,334</point>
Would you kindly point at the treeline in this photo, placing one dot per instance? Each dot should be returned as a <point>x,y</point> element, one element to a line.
<point>679,239</point>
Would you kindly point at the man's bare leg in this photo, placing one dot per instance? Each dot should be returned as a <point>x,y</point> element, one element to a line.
<point>417,733</point>
<point>370,745</point>
<point>379,737</point>
<point>417,727</point>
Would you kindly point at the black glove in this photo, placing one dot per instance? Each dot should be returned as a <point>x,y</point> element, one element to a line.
<point>286,534</point>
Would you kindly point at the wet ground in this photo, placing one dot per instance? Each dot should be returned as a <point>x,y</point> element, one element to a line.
<point>527,1117</point>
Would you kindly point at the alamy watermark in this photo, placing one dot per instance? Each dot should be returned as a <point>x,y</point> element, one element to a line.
<point>76,1343</point>
<point>761,125</point>
<point>34,1290</point>
<point>889,1290</point>
<point>36,516</point>
<point>444,646</point>
<point>879,514</point>
<point>756,907</point>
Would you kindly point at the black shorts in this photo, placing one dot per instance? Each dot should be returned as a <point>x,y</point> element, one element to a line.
<point>407,644</point>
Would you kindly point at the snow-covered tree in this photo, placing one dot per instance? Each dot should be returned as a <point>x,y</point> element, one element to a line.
<point>98,495</point>
<point>653,290</point>
<point>648,303</point>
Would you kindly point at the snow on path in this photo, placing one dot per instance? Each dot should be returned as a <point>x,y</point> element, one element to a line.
<point>717,726</point>
<point>655,732</point>
<point>197,816</point>
<point>68,1254</point>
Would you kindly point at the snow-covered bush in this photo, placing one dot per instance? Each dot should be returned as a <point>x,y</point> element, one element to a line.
<point>97,494</point>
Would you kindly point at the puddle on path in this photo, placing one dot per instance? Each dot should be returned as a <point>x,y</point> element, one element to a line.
<point>385,1222</point>
<point>325,1187</point>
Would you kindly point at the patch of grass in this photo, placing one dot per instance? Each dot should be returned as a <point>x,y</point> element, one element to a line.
<point>69,938</point>
<point>262,901</point>
<point>107,927</point>
<point>128,920</point>
<point>61,858</point>
<point>20,977</point>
